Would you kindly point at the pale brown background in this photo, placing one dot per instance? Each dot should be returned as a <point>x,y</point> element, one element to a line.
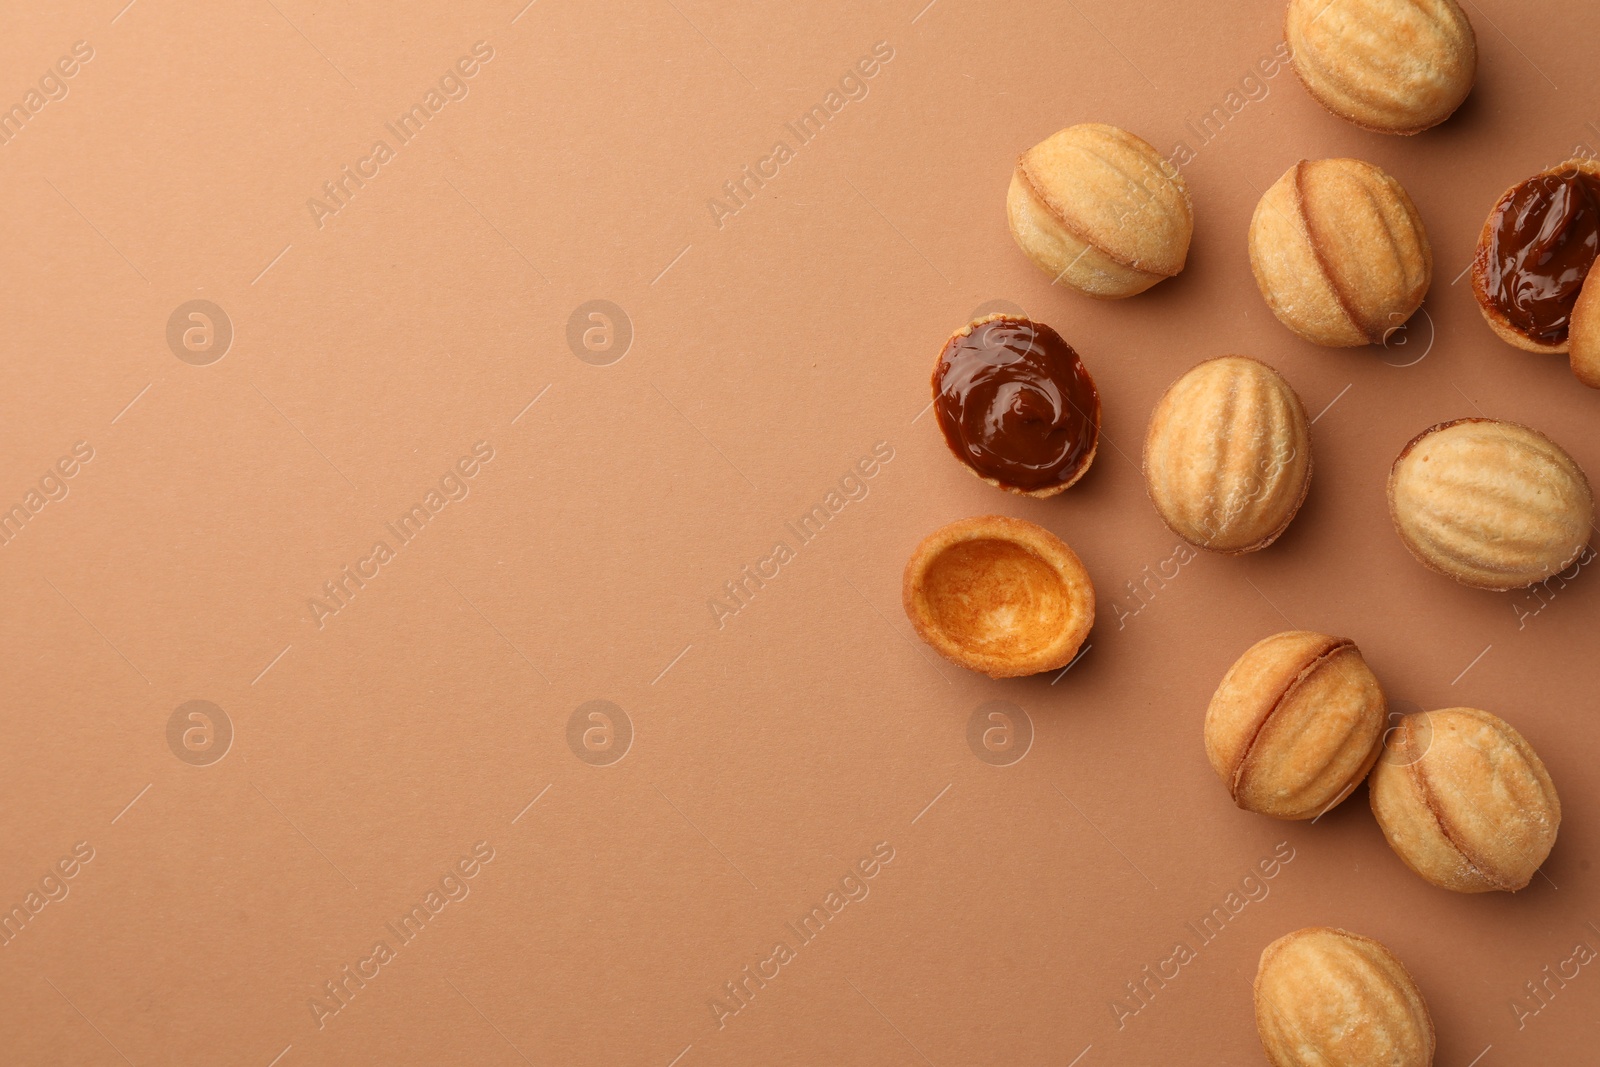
<point>768,356</point>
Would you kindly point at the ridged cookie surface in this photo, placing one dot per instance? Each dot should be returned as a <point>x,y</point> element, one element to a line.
<point>1339,252</point>
<point>1491,504</point>
<point>1393,66</point>
<point>1295,725</point>
<point>1227,456</point>
<point>1099,209</point>
<point>1465,801</point>
<point>1330,998</point>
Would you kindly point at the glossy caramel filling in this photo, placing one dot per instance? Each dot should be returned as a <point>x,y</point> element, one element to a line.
<point>1544,237</point>
<point>1016,404</point>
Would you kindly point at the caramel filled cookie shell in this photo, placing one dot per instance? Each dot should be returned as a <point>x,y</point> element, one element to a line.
<point>1535,253</point>
<point>1016,405</point>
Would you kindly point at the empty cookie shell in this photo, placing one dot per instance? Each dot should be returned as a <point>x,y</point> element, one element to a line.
<point>1001,596</point>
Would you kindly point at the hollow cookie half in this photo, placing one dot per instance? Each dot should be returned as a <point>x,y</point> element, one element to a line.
<point>997,595</point>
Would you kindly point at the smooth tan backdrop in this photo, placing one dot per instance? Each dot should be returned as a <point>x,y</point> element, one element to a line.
<point>623,470</point>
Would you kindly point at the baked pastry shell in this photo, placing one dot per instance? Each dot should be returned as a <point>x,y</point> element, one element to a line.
<point>1295,724</point>
<point>1502,326</point>
<point>1001,596</point>
<point>1583,338</point>
<point>1339,252</point>
<point>1041,493</point>
<point>1098,209</point>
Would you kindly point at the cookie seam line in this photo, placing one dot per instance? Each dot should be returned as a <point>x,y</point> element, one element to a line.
<point>1338,645</point>
<point>1077,231</point>
<point>1339,295</point>
<point>1425,793</point>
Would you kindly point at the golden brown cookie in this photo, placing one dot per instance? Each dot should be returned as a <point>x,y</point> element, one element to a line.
<point>1535,253</point>
<point>1100,210</point>
<point>1227,457</point>
<point>1491,504</point>
<point>1465,801</point>
<point>998,595</point>
<point>1391,66</point>
<point>1330,998</point>
<point>1295,725</point>
<point>1583,338</point>
<point>1339,252</point>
